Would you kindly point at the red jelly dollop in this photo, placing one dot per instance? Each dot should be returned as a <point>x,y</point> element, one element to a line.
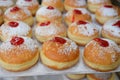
<point>117,24</point>
<point>59,40</point>
<point>28,0</point>
<point>17,41</point>
<point>13,24</point>
<point>45,23</point>
<point>50,7</point>
<point>77,11</point>
<point>108,6</point>
<point>102,42</point>
<point>15,9</point>
<point>81,22</point>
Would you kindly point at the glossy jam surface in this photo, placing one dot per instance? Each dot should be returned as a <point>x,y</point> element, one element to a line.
<point>28,0</point>
<point>13,24</point>
<point>50,7</point>
<point>17,41</point>
<point>45,24</point>
<point>108,6</point>
<point>81,22</point>
<point>117,24</point>
<point>59,40</point>
<point>14,9</point>
<point>102,42</point>
<point>77,11</point>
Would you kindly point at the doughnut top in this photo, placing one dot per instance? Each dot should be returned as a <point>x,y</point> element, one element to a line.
<point>97,1</point>
<point>103,76</point>
<point>49,11</point>
<point>113,27</point>
<point>26,2</point>
<point>49,28</point>
<point>108,10</point>
<point>85,28</point>
<point>17,13</point>
<point>104,51</point>
<point>14,28</point>
<point>62,45</point>
<point>53,1</point>
<point>21,43</point>
<point>5,3</point>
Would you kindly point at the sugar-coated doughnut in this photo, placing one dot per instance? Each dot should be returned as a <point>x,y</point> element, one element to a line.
<point>76,15</point>
<point>14,28</point>
<point>102,54</point>
<point>111,30</point>
<point>82,32</point>
<point>71,4</point>
<point>32,5</point>
<point>105,13</point>
<point>59,53</point>
<point>18,53</point>
<point>55,3</point>
<point>19,14</point>
<point>75,76</point>
<point>47,30</point>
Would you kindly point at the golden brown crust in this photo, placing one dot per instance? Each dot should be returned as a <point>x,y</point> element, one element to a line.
<point>52,52</point>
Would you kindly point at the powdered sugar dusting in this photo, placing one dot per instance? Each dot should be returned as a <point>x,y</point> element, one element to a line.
<point>88,29</point>
<point>17,15</point>
<point>24,3</point>
<point>68,47</point>
<point>108,11</point>
<point>51,29</point>
<point>114,30</point>
<point>28,44</point>
<point>97,1</point>
<point>49,13</point>
<point>79,2</point>
<point>103,76</point>
<point>6,3</point>
<point>111,49</point>
<point>22,29</point>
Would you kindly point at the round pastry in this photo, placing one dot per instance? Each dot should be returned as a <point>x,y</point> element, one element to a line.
<point>82,32</point>
<point>18,53</point>
<point>94,5</point>
<point>111,30</point>
<point>76,15</point>
<point>105,13</point>
<point>14,28</point>
<point>75,76</point>
<point>102,54</point>
<point>1,17</point>
<point>59,53</point>
<point>18,14</point>
<point>45,31</point>
<point>71,4</point>
<point>32,5</point>
<point>101,76</point>
<point>55,3</point>
<point>48,13</point>
<point>4,4</point>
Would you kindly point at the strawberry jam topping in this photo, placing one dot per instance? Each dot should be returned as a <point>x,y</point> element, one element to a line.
<point>117,24</point>
<point>28,0</point>
<point>13,24</point>
<point>108,6</point>
<point>102,42</point>
<point>81,22</point>
<point>59,40</point>
<point>17,41</point>
<point>50,7</point>
<point>15,9</point>
<point>45,24</point>
<point>77,11</point>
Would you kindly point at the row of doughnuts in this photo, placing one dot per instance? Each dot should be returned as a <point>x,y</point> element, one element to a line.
<point>97,76</point>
